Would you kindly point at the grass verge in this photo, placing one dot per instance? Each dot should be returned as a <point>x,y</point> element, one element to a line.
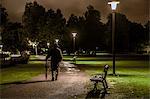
<point>21,72</point>
<point>132,80</point>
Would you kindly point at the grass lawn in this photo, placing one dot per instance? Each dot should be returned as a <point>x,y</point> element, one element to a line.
<point>21,72</point>
<point>132,80</point>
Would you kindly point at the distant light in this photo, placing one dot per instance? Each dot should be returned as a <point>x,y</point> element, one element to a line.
<point>33,44</point>
<point>1,46</point>
<point>56,40</point>
<point>113,4</point>
<point>74,34</point>
<point>48,44</point>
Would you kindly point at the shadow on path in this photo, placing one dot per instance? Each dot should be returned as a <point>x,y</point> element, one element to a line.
<point>27,82</point>
<point>96,94</point>
<point>70,84</point>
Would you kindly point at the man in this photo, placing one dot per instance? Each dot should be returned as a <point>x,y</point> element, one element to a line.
<point>56,57</point>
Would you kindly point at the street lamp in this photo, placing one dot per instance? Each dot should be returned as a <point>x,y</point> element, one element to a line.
<point>113,7</point>
<point>56,40</point>
<point>34,45</point>
<point>74,37</point>
<point>48,45</point>
<point>1,47</point>
<point>114,4</point>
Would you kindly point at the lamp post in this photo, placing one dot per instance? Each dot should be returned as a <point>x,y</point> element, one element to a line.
<point>34,45</point>
<point>113,7</point>
<point>74,37</point>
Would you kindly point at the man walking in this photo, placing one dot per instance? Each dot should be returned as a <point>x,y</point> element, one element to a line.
<point>56,57</point>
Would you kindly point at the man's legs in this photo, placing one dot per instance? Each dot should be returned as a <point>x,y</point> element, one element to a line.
<point>56,74</point>
<point>54,68</point>
<point>52,75</point>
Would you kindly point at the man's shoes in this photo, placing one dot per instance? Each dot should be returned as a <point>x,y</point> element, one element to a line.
<point>56,77</point>
<point>53,79</point>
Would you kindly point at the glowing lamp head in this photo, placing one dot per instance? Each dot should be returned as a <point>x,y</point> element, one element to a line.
<point>48,44</point>
<point>56,40</point>
<point>74,34</point>
<point>1,46</point>
<point>113,4</point>
<point>33,44</point>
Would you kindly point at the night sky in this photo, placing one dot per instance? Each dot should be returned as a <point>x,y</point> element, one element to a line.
<point>135,10</point>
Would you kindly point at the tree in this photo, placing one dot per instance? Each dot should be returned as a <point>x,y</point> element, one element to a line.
<point>3,22</point>
<point>129,36</point>
<point>146,36</point>
<point>60,25</point>
<point>33,19</point>
<point>137,37</point>
<point>82,32</point>
<point>72,26</point>
<point>72,23</point>
<point>94,29</point>
<point>54,27</point>
<point>121,32</point>
<point>89,28</point>
<point>3,16</point>
<point>13,38</point>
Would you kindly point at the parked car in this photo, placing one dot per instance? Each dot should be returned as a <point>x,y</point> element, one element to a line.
<point>5,59</point>
<point>21,58</point>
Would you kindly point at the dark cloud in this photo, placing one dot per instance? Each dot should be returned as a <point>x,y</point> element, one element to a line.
<point>135,10</point>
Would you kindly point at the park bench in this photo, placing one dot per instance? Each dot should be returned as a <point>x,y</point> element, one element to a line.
<point>101,78</point>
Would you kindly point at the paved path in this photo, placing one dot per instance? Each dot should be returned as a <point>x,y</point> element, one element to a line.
<point>70,84</point>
